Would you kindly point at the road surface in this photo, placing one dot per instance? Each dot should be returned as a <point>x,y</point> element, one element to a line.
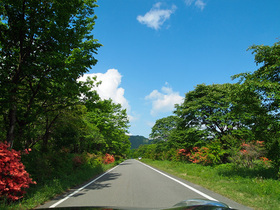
<point>133,184</point>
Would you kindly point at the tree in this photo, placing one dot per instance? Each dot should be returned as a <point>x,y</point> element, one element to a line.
<point>183,137</point>
<point>44,47</point>
<point>73,131</point>
<point>220,109</point>
<point>163,127</point>
<point>112,123</point>
<point>266,82</point>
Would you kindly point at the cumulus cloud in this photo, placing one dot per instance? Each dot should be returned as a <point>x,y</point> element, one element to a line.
<point>110,86</point>
<point>164,100</point>
<point>156,16</point>
<point>198,3</point>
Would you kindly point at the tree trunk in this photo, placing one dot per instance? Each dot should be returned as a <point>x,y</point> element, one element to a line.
<point>12,124</point>
<point>46,136</point>
<point>15,80</point>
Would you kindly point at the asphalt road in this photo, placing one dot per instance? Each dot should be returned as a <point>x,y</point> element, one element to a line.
<point>133,184</point>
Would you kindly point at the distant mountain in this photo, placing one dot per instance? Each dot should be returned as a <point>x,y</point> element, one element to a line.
<point>136,141</point>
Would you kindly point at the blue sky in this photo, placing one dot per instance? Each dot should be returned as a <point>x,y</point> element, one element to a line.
<point>156,51</point>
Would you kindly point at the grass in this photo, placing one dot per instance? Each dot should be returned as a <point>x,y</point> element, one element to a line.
<point>257,188</point>
<point>52,182</point>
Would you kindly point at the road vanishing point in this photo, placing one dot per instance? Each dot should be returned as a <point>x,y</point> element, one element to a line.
<point>133,184</point>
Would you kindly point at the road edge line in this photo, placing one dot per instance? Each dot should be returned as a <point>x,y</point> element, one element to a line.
<point>81,188</point>
<point>182,183</point>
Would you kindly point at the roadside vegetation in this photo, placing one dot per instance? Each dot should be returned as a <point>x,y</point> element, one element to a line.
<point>58,172</point>
<point>70,133</point>
<point>257,187</point>
<point>226,136</point>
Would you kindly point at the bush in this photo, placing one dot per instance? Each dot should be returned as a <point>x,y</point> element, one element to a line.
<point>108,159</point>
<point>199,155</point>
<point>13,176</point>
<point>211,154</point>
<point>78,161</point>
<point>249,154</point>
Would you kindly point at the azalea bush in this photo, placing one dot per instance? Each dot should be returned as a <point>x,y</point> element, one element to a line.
<point>250,154</point>
<point>211,154</point>
<point>199,155</point>
<point>13,176</point>
<point>108,159</point>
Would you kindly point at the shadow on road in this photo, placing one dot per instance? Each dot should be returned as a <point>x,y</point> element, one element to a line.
<point>103,182</point>
<point>125,163</point>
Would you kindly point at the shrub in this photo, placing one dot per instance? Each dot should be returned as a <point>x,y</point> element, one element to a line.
<point>92,159</point>
<point>207,155</point>
<point>250,153</point>
<point>199,155</point>
<point>78,161</point>
<point>182,154</point>
<point>13,176</point>
<point>108,159</point>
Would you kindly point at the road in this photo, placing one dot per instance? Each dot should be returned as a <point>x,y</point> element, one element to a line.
<point>133,184</point>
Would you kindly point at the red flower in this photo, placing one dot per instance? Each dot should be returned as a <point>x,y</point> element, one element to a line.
<point>13,177</point>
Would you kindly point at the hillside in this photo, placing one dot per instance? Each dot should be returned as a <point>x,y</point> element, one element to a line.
<point>137,140</point>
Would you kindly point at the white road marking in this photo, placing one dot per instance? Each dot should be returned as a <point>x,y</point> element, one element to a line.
<point>68,196</point>
<point>185,185</point>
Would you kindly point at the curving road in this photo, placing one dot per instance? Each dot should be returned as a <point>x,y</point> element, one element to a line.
<point>133,184</point>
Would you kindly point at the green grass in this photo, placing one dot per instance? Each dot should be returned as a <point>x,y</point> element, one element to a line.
<point>52,183</point>
<point>257,188</point>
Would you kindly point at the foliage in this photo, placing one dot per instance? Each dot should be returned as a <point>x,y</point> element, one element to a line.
<point>68,176</point>
<point>146,151</point>
<point>163,128</point>
<point>256,187</point>
<point>73,131</point>
<point>108,159</point>
<point>13,176</point>
<point>219,120</point>
<point>78,161</point>
<point>265,82</point>
<point>112,122</point>
<point>266,79</point>
<point>211,154</point>
<point>249,153</point>
<point>218,109</point>
<point>137,140</point>
<point>186,137</point>
<point>45,47</point>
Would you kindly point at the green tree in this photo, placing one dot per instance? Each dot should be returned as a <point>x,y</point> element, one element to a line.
<point>112,122</point>
<point>163,128</point>
<point>220,109</point>
<point>73,131</point>
<point>183,137</point>
<point>266,82</point>
<point>44,47</point>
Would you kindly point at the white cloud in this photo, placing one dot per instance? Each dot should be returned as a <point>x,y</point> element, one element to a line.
<point>109,88</point>
<point>163,101</point>
<point>156,16</point>
<point>189,2</point>
<point>198,3</point>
